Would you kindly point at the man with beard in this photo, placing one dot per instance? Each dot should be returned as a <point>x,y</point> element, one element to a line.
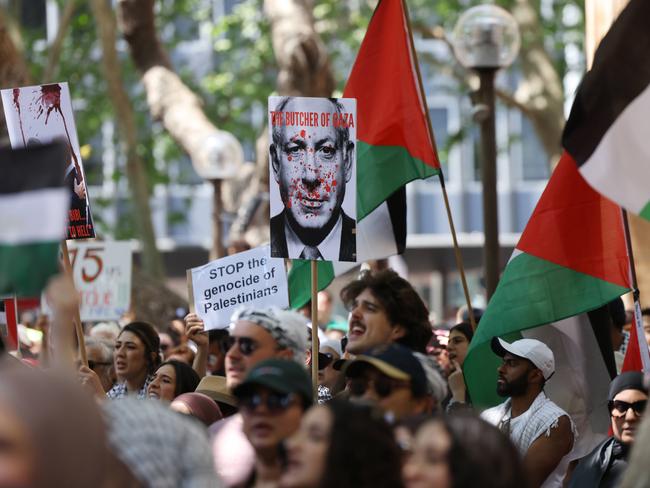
<point>384,308</point>
<point>542,431</point>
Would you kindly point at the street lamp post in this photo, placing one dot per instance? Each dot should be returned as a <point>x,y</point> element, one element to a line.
<point>486,39</point>
<point>225,158</point>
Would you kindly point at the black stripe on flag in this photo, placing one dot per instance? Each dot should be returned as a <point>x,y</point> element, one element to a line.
<point>397,210</point>
<point>34,168</point>
<point>620,72</point>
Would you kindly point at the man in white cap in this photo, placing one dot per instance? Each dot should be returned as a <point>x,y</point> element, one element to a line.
<point>542,431</point>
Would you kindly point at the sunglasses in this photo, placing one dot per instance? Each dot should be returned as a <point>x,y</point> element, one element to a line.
<point>93,364</point>
<point>325,359</point>
<point>246,345</point>
<point>619,408</point>
<point>275,403</point>
<point>382,385</point>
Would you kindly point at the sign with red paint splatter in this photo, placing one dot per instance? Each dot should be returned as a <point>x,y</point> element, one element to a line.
<point>313,165</point>
<point>39,115</point>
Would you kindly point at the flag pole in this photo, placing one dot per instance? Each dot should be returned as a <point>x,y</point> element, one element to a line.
<point>452,227</point>
<point>638,319</point>
<point>314,329</point>
<point>67,267</point>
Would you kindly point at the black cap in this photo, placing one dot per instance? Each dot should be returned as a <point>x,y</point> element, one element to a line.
<point>395,361</point>
<point>280,375</point>
<point>630,380</point>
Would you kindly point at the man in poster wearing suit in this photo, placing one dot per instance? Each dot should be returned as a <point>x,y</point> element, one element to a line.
<point>312,165</point>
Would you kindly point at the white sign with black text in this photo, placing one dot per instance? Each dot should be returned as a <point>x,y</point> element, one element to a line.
<point>102,276</point>
<point>250,277</point>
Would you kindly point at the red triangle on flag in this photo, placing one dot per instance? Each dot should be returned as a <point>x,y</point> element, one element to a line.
<point>576,227</point>
<point>384,81</point>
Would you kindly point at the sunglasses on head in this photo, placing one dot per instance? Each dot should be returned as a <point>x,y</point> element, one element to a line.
<point>619,408</point>
<point>382,385</point>
<point>246,345</point>
<point>274,402</point>
<point>325,359</point>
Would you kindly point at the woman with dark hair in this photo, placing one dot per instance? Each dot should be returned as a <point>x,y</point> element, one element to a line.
<point>136,358</point>
<point>460,335</point>
<point>342,445</point>
<point>462,451</point>
<point>52,434</point>
<point>172,378</point>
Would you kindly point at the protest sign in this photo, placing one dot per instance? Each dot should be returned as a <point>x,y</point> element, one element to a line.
<point>39,115</point>
<point>246,278</point>
<point>313,163</point>
<point>102,276</point>
<point>9,322</point>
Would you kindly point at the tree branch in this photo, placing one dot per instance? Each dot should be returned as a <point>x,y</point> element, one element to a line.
<point>13,68</point>
<point>169,99</point>
<point>54,54</point>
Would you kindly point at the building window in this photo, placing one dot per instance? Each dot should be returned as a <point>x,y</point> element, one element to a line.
<point>534,163</point>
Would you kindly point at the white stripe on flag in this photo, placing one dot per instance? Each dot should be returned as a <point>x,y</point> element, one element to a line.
<point>375,235</point>
<point>516,252</point>
<point>619,168</point>
<point>33,216</point>
<point>581,381</point>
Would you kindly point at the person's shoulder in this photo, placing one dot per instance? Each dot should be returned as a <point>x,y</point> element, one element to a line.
<point>278,220</point>
<point>347,220</point>
<point>558,411</point>
<point>493,415</point>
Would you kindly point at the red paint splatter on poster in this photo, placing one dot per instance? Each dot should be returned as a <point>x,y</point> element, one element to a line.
<point>16,93</point>
<point>50,100</point>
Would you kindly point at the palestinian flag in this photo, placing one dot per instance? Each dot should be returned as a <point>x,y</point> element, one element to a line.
<point>606,133</point>
<point>637,355</point>
<point>33,213</point>
<point>571,259</point>
<point>394,144</point>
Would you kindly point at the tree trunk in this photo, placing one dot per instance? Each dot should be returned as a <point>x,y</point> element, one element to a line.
<point>151,259</point>
<point>13,69</point>
<point>304,70</point>
<point>541,90</point>
<point>304,67</point>
<point>169,99</point>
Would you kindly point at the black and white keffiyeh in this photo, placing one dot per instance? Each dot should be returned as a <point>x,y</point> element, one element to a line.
<point>288,328</point>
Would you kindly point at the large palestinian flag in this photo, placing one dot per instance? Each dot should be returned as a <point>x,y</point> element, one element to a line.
<point>33,215</point>
<point>571,259</point>
<point>394,144</point>
<point>607,131</point>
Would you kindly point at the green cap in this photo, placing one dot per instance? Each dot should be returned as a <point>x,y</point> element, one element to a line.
<point>280,375</point>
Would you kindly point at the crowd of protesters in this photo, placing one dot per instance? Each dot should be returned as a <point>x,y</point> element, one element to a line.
<point>179,406</point>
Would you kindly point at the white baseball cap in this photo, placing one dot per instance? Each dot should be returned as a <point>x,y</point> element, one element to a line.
<point>535,351</point>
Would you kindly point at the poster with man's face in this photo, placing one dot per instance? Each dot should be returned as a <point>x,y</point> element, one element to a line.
<point>313,178</point>
<point>38,115</point>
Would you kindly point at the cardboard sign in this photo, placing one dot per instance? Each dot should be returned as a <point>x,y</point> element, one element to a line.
<point>9,323</point>
<point>247,278</point>
<point>102,276</point>
<point>313,164</point>
<point>39,115</point>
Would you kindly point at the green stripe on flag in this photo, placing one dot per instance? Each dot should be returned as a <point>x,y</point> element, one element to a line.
<point>381,170</point>
<point>645,211</point>
<point>300,280</point>
<point>25,268</point>
<point>532,292</point>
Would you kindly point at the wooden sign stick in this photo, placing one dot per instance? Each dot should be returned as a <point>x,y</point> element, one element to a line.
<point>314,329</point>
